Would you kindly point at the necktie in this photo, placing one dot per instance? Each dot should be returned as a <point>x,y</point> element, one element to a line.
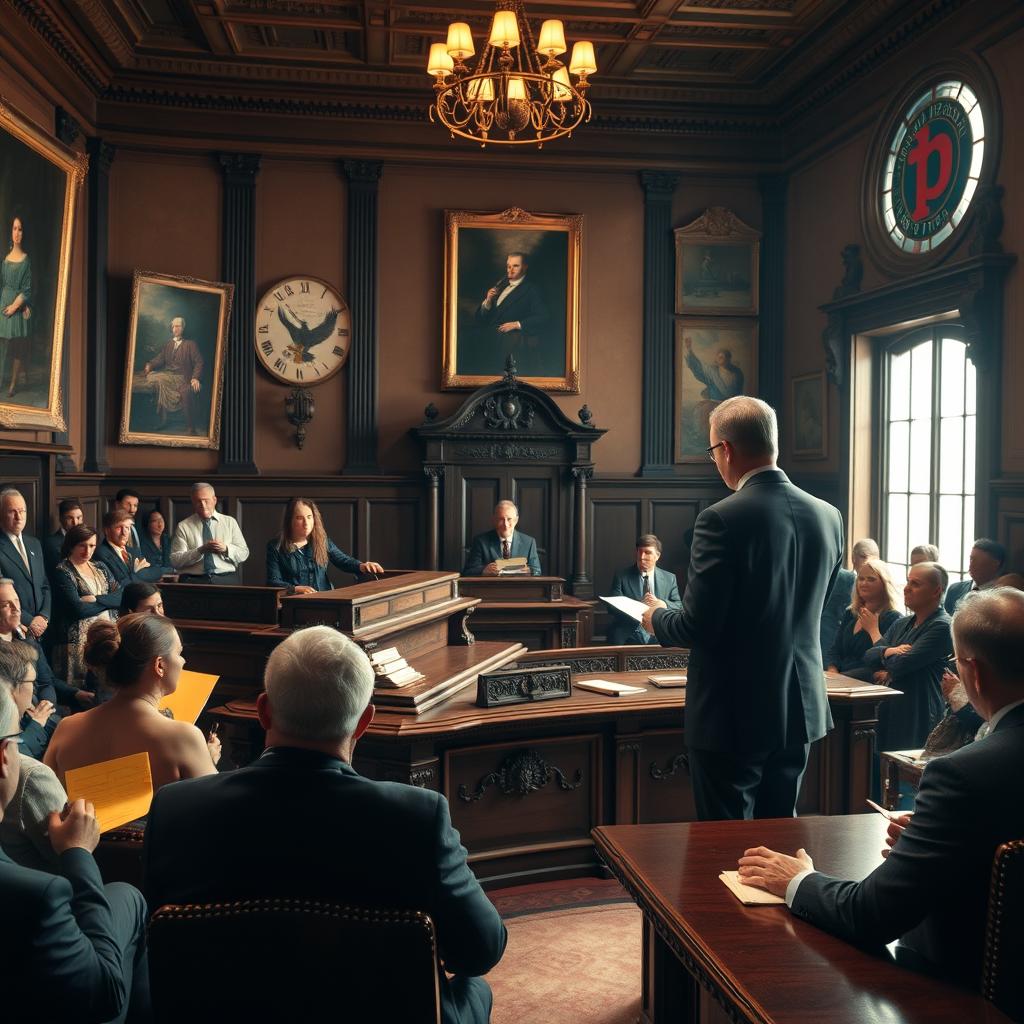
<point>208,566</point>
<point>647,584</point>
<point>504,549</point>
<point>124,555</point>
<point>22,552</point>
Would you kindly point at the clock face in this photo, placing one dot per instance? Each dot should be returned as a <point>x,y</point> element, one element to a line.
<point>933,166</point>
<point>303,331</point>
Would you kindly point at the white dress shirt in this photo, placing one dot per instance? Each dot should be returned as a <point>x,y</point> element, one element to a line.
<point>186,557</point>
<point>753,472</point>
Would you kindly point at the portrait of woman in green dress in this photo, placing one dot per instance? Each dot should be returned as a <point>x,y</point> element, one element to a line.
<point>16,305</point>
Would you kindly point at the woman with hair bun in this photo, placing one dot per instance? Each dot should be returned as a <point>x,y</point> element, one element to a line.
<point>139,658</point>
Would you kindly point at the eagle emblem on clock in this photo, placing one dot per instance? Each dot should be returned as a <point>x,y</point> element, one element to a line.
<point>303,331</point>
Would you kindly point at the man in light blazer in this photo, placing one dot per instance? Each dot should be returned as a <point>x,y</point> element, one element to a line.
<point>642,581</point>
<point>762,562</point>
<point>21,559</point>
<point>932,891</point>
<point>504,541</point>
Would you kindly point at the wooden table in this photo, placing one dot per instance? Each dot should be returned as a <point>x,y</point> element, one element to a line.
<point>897,767</point>
<point>761,964</point>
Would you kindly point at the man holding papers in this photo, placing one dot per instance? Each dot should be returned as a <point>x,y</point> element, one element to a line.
<point>71,947</point>
<point>932,890</point>
<point>301,823</point>
<point>762,562</point>
<point>642,581</point>
<point>503,542</point>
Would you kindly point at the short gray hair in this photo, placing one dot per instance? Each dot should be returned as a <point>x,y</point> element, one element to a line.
<point>989,625</point>
<point>505,503</point>
<point>8,712</point>
<point>938,574</point>
<point>5,582</point>
<point>202,485</point>
<point>178,320</point>
<point>867,548</point>
<point>318,683</point>
<point>928,552</point>
<point>748,424</point>
<point>10,492</point>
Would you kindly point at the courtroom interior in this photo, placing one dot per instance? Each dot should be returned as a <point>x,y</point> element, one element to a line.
<point>512,510</point>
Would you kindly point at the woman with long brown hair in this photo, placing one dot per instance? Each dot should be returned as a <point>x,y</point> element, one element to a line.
<point>298,558</point>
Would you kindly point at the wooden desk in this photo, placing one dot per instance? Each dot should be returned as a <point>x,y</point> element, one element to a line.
<point>761,964</point>
<point>897,767</point>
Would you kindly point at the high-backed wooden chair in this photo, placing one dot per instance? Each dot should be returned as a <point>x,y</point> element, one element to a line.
<point>1002,979</point>
<point>290,960</point>
<point>119,855</point>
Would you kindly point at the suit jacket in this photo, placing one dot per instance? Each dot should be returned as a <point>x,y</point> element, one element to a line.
<point>59,943</point>
<point>157,555</point>
<point>107,554</point>
<point>933,888</point>
<point>524,303</point>
<point>188,360</point>
<point>52,543</point>
<point>486,547</point>
<point>956,592</point>
<point>628,582</point>
<point>323,832</point>
<point>832,614</point>
<point>33,588</point>
<point>762,562</point>
<point>296,568</point>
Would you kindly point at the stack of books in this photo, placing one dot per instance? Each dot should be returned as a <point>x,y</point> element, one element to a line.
<point>512,566</point>
<point>392,669</point>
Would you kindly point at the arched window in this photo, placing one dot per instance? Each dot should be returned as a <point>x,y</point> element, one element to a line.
<point>928,447</point>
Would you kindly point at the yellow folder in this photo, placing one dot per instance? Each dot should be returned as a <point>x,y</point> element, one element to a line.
<point>189,699</point>
<point>121,789</point>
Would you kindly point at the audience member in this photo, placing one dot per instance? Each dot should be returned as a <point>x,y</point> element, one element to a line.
<point>127,500</point>
<point>69,513</point>
<point>25,820</point>
<point>984,567</point>
<point>932,890</point>
<point>762,563</point>
<point>37,720</point>
<point>872,611</point>
<point>48,686</point>
<point>208,546</point>
<point>842,593</point>
<point>298,557</point>
<point>323,831</point>
<point>911,658</point>
<point>85,592</point>
<point>125,562</point>
<point>924,553</point>
<point>72,948</point>
<point>139,658</point>
<point>141,597</point>
<point>21,560</point>
<point>504,541</point>
<point>155,544</point>
<point>642,581</point>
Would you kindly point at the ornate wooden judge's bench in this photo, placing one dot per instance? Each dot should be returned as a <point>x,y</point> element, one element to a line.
<point>527,782</point>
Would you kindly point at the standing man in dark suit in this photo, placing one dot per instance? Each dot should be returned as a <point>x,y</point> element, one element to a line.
<point>762,563</point>
<point>642,581</point>
<point>72,947</point>
<point>21,559</point>
<point>932,890</point>
<point>127,500</point>
<point>504,541</point>
<point>323,831</point>
<point>69,513</point>
<point>984,567</point>
<point>181,358</point>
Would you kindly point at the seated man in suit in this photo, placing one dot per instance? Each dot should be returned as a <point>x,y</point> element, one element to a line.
<point>125,562</point>
<point>72,947</point>
<point>842,593</point>
<point>504,541</point>
<point>932,890</point>
<point>21,560</point>
<point>642,581</point>
<point>323,831</point>
<point>984,568</point>
<point>69,513</point>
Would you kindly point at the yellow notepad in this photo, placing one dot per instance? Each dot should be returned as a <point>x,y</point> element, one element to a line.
<point>189,699</point>
<point>747,894</point>
<point>121,790</point>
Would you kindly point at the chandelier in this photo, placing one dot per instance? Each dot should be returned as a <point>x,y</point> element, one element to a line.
<point>519,93</point>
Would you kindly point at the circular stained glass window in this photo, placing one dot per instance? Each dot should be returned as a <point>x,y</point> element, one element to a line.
<point>932,167</point>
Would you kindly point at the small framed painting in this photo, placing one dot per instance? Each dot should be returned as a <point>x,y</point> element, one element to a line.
<point>717,265</point>
<point>810,416</point>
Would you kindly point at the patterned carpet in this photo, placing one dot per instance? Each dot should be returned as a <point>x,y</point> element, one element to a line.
<point>573,955</point>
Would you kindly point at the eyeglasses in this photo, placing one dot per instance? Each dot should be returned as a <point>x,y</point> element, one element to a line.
<point>711,450</point>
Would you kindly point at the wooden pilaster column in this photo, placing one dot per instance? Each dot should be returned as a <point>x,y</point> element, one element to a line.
<point>101,156</point>
<point>434,476</point>
<point>362,295</point>
<point>659,304</point>
<point>238,248</point>
<point>772,325</point>
<point>581,585</point>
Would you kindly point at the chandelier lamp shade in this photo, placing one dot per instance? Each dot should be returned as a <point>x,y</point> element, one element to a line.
<point>519,93</point>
